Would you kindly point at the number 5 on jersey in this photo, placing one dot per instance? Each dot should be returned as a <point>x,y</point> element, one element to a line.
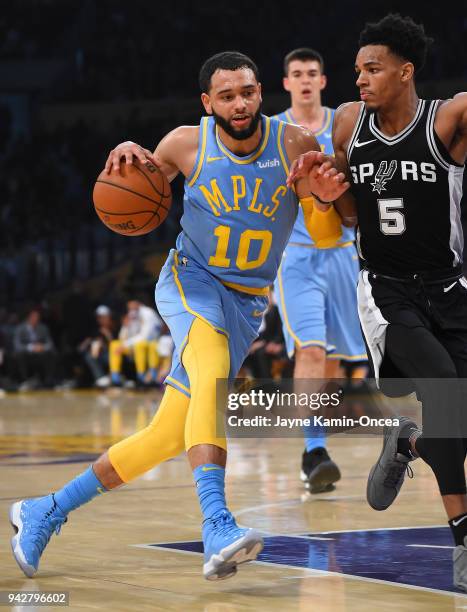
<point>391,218</point>
<point>220,259</point>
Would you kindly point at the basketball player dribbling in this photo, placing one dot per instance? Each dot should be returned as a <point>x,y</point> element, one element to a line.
<point>212,291</point>
<point>405,159</point>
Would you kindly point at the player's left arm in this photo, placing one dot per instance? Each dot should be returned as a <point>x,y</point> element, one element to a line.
<point>322,222</point>
<point>451,126</point>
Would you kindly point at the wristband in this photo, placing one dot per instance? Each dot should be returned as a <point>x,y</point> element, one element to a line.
<point>320,200</point>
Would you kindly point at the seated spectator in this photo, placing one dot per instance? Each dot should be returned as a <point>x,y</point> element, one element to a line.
<point>141,328</point>
<point>95,350</point>
<point>34,353</point>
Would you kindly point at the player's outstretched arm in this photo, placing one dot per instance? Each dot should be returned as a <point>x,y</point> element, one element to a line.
<point>323,225</point>
<point>345,118</point>
<point>175,153</point>
<point>451,126</point>
<point>303,148</point>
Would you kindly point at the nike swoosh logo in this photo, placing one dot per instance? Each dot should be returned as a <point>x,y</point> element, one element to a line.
<point>208,469</point>
<point>257,313</point>
<point>362,144</point>
<point>455,523</point>
<point>211,159</point>
<point>446,289</point>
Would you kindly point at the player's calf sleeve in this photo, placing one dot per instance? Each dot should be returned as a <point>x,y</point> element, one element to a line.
<point>78,491</point>
<point>162,439</point>
<point>445,456</point>
<point>206,357</point>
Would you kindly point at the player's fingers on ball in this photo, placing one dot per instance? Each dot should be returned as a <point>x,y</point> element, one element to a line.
<point>116,162</point>
<point>140,153</point>
<point>128,157</point>
<point>149,156</point>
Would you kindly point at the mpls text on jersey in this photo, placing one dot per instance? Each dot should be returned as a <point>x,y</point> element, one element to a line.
<point>219,201</point>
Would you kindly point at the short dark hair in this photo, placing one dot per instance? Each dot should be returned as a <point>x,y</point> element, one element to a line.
<point>227,60</point>
<point>303,54</point>
<point>401,35</point>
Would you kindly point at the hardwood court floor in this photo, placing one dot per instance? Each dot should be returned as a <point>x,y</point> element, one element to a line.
<point>132,549</point>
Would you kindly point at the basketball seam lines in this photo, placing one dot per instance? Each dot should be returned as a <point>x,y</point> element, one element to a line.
<point>151,183</point>
<point>134,192</point>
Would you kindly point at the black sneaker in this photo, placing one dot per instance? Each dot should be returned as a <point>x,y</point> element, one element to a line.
<point>388,473</point>
<point>319,472</point>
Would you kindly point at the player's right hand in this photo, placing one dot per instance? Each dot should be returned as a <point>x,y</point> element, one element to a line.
<point>126,151</point>
<point>304,163</point>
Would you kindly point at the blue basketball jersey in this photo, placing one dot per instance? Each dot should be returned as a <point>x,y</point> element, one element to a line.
<point>324,138</point>
<point>238,212</point>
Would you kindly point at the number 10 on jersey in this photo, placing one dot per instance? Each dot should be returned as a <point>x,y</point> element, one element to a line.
<point>220,259</point>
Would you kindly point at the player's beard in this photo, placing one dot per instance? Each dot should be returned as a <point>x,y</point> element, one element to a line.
<point>238,134</point>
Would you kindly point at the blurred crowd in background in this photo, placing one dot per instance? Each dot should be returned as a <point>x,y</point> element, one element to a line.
<point>125,345</point>
<point>79,76</point>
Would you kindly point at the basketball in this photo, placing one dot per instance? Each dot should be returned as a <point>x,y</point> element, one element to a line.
<point>134,202</point>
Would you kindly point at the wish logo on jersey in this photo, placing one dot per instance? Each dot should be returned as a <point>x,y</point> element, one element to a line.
<point>269,163</point>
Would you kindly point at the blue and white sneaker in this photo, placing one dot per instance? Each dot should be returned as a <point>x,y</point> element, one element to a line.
<point>226,546</point>
<point>34,521</point>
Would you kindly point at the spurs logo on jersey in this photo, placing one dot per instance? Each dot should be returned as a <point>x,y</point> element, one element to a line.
<point>384,175</point>
<point>409,170</point>
<point>408,192</point>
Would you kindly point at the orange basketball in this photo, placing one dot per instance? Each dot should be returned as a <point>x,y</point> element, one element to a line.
<point>134,202</point>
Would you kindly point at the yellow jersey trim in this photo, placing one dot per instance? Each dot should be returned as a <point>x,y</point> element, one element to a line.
<point>327,121</point>
<point>340,245</point>
<point>279,147</point>
<point>363,357</point>
<point>253,156</point>
<point>320,343</point>
<point>307,344</point>
<point>246,289</point>
<point>178,385</point>
<point>185,304</point>
<point>322,129</point>
<point>204,135</point>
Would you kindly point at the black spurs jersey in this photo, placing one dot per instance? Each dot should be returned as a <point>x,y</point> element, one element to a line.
<point>408,192</point>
